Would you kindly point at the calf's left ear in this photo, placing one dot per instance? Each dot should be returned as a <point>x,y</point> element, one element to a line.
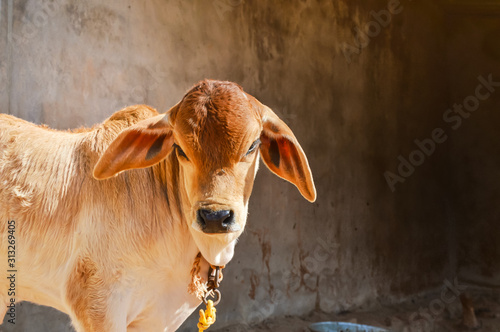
<point>141,145</point>
<point>282,154</point>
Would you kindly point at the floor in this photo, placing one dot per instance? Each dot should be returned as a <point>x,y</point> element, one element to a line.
<point>435,312</point>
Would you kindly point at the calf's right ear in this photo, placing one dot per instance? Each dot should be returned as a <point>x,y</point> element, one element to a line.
<point>141,145</point>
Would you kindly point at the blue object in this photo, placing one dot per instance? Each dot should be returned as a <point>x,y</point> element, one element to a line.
<point>344,327</point>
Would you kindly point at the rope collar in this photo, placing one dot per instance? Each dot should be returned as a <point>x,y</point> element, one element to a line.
<point>204,290</point>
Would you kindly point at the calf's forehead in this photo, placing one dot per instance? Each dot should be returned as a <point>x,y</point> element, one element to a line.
<point>217,120</point>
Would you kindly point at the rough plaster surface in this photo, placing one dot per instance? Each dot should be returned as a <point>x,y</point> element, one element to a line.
<point>70,63</point>
<point>475,150</point>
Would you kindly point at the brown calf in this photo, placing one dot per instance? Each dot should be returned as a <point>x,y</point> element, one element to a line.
<point>116,254</point>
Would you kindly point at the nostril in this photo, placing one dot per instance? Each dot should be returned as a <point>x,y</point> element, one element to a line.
<point>201,217</point>
<point>229,219</point>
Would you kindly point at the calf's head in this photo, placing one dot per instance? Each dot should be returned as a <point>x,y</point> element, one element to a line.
<point>217,132</point>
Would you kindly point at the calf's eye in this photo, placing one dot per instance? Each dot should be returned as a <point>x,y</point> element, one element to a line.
<point>180,152</point>
<point>254,146</point>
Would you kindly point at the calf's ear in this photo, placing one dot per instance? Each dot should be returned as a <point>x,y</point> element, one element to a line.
<point>282,154</point>
<point>141,145</point>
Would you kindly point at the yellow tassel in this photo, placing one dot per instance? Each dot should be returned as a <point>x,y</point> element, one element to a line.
<point>207,317</point>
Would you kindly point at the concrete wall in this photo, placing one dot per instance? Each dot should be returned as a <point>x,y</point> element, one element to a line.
<point>474,50</point>
<point>356,103</point>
